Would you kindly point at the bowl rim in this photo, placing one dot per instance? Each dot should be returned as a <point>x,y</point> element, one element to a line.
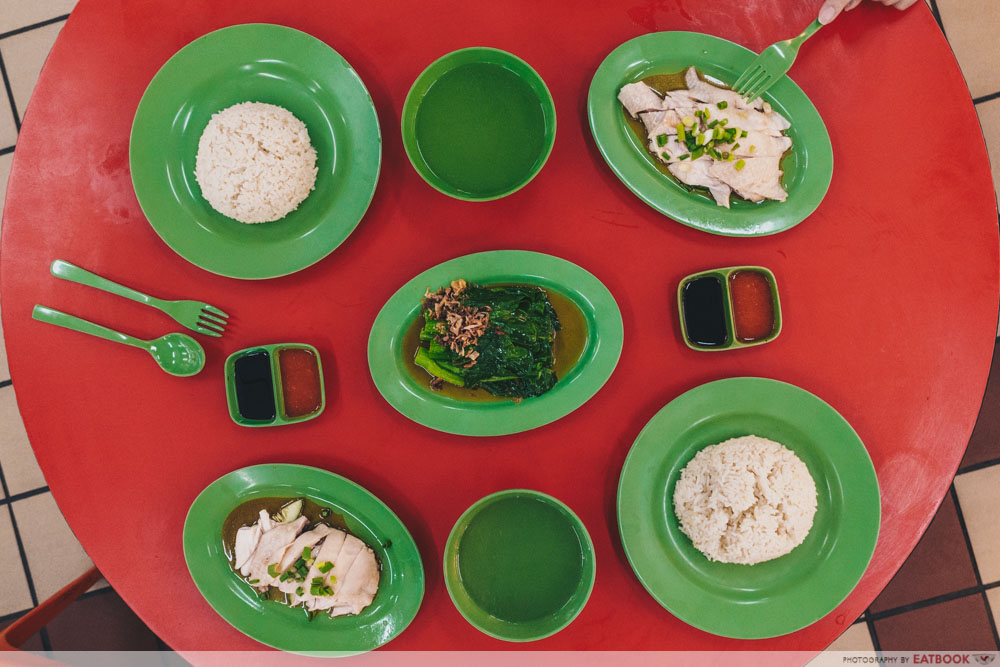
<point>411,106</point>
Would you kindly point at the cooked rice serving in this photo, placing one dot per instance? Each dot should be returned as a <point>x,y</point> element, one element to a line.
<point>255,162</point>
<point>745,500</point>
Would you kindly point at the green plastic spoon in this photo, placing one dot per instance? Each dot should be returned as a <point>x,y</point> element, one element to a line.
<point>176,353</point>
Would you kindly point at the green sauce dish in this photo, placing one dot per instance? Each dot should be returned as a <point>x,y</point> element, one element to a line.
<point>478,124</point>
<point>274,385</point>
<point>733,307</point>
<point>519,565</point>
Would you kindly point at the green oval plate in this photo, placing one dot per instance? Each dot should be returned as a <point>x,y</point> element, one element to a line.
<point>537,571</point>
<point>257,63</point>
<point>808,169</point>
<point>401,584</point>
<point>774,597</point>
<point>416,400</point>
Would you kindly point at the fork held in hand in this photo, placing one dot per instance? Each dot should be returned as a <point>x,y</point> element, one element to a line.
<point>771,64</point>
<point>195,315</point>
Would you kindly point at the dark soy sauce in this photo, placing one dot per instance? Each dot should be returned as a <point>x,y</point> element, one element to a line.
<point>255,386</point>
<point>704,313</point>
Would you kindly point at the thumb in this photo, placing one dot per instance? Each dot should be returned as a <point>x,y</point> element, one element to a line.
<point>831,9</point>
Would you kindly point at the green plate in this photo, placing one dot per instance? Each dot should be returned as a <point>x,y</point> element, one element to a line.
<point>519,565</point>
<point>258,63</point>
<point>423,405</point>
<point>774,597</point>
<point>808,168</point>
<point>401,584</point>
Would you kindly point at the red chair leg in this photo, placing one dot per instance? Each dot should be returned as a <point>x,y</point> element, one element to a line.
<point>20,630</point>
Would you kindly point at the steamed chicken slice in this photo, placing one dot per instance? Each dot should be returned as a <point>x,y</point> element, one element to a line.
<point>327,553</point>
<point>360,584</point>
<point>247,538</point>
<point>294,552</point>
<point>638,97</point>
<point>706,92</point>
<point>652,120</point>
<point>334,578</point>
<point>758,144</point>
<point>270,548</point>
<point>698,172</point>
<point>759,178</point>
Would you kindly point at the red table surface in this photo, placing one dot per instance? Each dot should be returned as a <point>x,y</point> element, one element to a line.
<point>889,293</point>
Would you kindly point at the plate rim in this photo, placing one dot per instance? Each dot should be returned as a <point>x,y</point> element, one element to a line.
<point>271,468</point>
<point>141,189</point>
<point>863,460</point>
<point>456,420</point>
<point>595,116</point>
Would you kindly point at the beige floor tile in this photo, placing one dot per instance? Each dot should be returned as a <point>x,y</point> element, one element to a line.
<point>971,27</point>
<point>5,162</point>
<point>54,555</point>
<point>979,497</point>
<point>14,595</point>
<point>20,13</point>
<point>989,118</point>
<point>855,639</point>
<point>993,595</point>
<point>4,368</point>
<point>8,130</point>
<point>24,55</point>
<point>19,466</point>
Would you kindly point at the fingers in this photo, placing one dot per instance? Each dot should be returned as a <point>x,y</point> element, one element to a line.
<point>851,5</point>
<point>904,4</point>
<point>831,9</point>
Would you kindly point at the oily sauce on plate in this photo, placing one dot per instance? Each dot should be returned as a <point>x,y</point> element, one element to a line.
<point>571,340</point>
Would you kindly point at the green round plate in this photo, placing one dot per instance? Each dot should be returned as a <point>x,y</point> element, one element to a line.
<point>519,565</point>
<point>774,597</point>
<point>256,63</point>
<point>401,584</point>
<point>484,97</point>
<point>414,399</point>
<point>808,168</point>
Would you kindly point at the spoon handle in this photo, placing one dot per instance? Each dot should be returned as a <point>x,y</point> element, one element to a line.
<point>50,316</point>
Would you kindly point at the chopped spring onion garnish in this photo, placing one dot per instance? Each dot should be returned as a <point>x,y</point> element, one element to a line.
<point>325,566</point>
<point>681,136</point>
<point>701,139</point>
<point>688,121</point>
<point>736,145</point>
<point>743,133</point>
<point>739,165</point>
<point>714,153</point>
<point>752,148</point>
<point>272,570</point>
<point>685,156</point>
<point>325,512</point>
<point>713,124</point>
<point>307,552</point>
<point>661,140</point>
<point>285,575</point>
<point>299,591</point>
<point>254,581</point>
<point>723,104</point>
<point>697,153</point>
<point>706,114</point>
<point>724,121</point>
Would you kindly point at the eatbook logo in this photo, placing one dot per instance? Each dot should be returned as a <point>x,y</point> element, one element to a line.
<point>985,658</point>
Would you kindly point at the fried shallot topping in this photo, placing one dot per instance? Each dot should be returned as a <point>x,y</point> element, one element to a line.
<point>459,327</point>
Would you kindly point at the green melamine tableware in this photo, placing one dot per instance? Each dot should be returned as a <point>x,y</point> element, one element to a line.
<point>412,396</point>
<point>176,353</point>
<point>281,418</point>
<point>401,579</point>
<point>519,565</point>
<point>808,168</point>
<point>478,124</point>
<point>723,276</point>
<point>771,598</point>
<point>255,63</point>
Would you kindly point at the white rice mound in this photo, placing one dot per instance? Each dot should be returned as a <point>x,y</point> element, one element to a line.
<point>745,500</point>
<point>255,162</point>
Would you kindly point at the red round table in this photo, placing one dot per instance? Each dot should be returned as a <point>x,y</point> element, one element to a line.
<point>889,294</point>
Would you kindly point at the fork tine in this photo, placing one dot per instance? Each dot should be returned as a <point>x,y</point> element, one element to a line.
<point>212,309</point>
<point>747,73</point>
<point>208,324</point>
<point>763,85</point>
<point>752,82</point>
<point>207,332</point>
<point>209,317</point>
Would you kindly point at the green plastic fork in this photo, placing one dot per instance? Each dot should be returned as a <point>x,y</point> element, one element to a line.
<point>771,64</point>
<point>195,315</point>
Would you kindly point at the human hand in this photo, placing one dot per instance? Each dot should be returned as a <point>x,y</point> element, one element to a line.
<point>831,8</point>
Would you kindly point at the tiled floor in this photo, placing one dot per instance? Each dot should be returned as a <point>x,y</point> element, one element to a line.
<point>945,597</point>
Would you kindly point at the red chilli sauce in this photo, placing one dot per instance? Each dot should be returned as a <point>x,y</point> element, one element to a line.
<point>753,305</point>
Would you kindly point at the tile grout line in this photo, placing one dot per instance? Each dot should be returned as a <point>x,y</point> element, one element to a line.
<point>6,383</point>
<point>10,94</point>
<point>33,26</point>
<point>930,602</point>
<point>972,467</point>
<point>8,149</point>
<point>986,98</point>
<point>975,565</point>
<point>23,495</point>
<point>870,623</point>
